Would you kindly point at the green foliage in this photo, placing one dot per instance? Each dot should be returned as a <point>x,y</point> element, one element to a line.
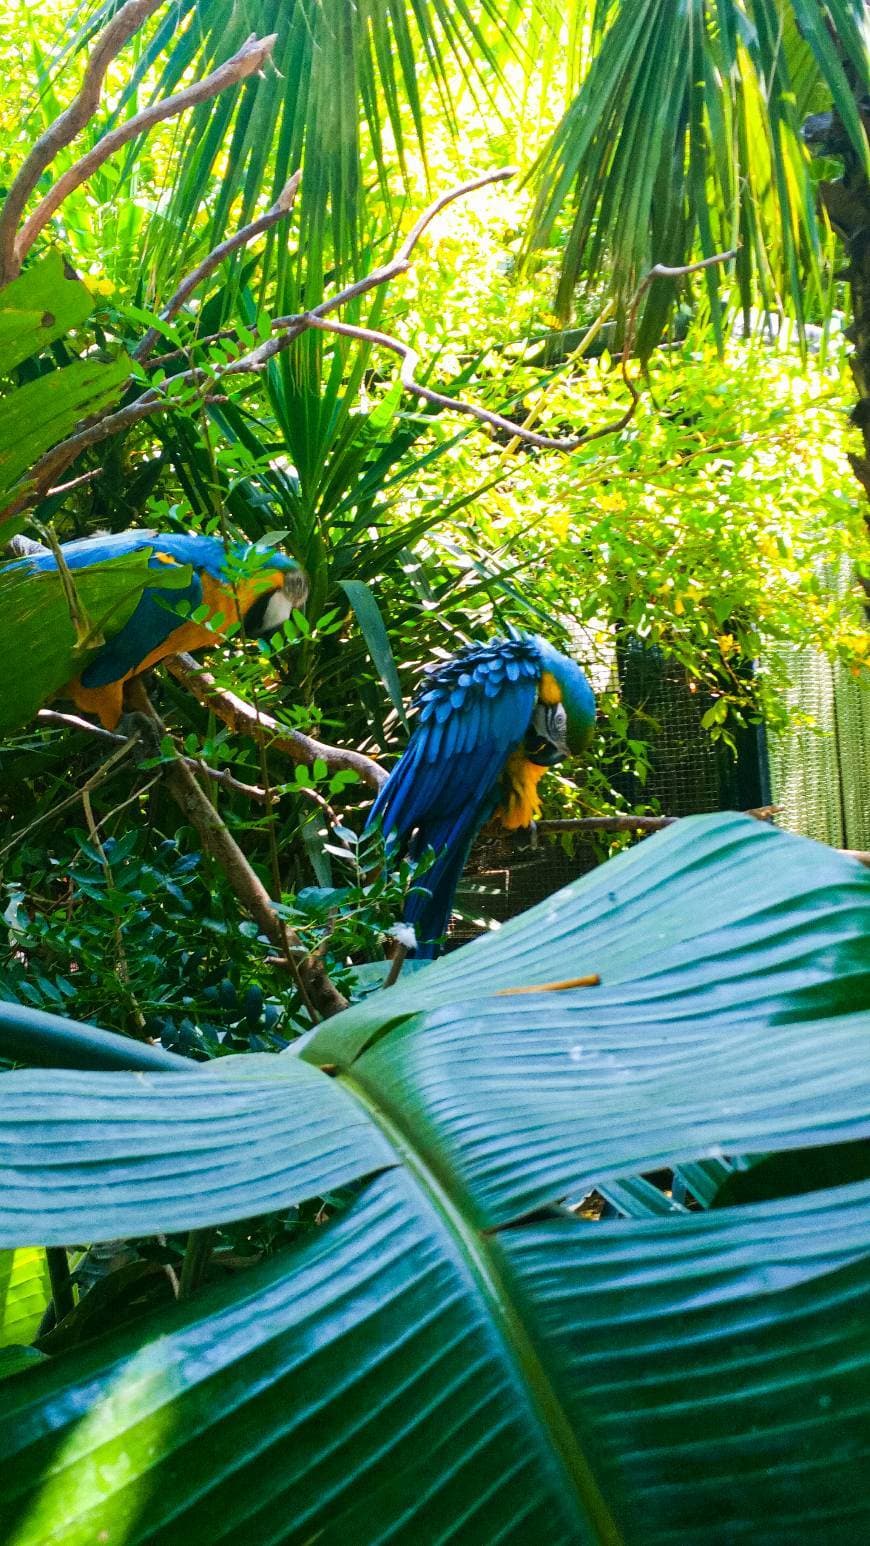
<point>458,1131</point>
<point>470,1260</point>
<point>142,936</point>
<point>24,1294</point>
<point>684,137</point>
<point>45,404</point>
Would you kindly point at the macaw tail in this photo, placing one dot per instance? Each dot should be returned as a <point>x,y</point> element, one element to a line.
<point>430,902</point>
<point>404,809</point>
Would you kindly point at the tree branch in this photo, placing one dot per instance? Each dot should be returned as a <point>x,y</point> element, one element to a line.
<point>247,61</point>
<point>289,328</point>
<point>219,775</point>
<point>409,358</point>
<point>265,730</point>
<point>282,207</point>
<point>319,993</point>
<point>618,823</point>
<point>69,123</point>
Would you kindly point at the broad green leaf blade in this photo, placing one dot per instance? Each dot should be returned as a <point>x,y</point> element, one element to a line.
<point>38,308</point>
<point>368,614</point>
<point>35,624</point>
<point>711,1370</point>
<point>638,1199</point>
<point>14,1359</point>
<point>721,916</point>
<point>717,1364</point>
<point>358,1389</point>
<point>95,1156</point>
<point>24,1294</point>
<point>37,1038</point>
<point>37,415</point>
<point>525,1107</point>
<point>704,1179</point>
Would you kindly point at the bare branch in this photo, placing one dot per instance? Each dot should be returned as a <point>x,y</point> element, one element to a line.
<point>409,358</point>
<point>618,823</point>
<point>265,730</point>
<point>623,822</point>
<point>218,775</point>
<point>435,208</point>
<point>282,207</point>
<point>54,462</point>
<point>65,128</point>
<point>291,326</point>
<point>288,328</point>
<point>318,992</point>
<point>247,61</point>
<point>84,477</point>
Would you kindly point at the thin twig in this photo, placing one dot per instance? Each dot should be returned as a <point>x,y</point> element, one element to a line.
<point>69,123</point>
<point>280,209</point>
<point>197,1254</point>
<point>410,358</point>
<point>396,965</point>
<point>617,823</point>
<point>83,630</point>
<point>289,328</point>
<point>51,716</point>
<point>242,718</point>
<point>104,771</point>
<point>60,1282</point>
<point>121,963</point>
<point>247,61</point>
<point>55,461</point>
<point>221,776</point>
<point>85,477</point>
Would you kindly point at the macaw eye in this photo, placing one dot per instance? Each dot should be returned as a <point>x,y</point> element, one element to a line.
<point>551,723</point>
<point>547,735</point>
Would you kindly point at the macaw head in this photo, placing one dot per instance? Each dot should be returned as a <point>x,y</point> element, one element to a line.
<point>269,595</point>
<point>575,695</point>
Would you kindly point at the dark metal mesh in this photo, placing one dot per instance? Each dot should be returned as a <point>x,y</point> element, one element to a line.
<point>690,773</point>
<point>505,875</point>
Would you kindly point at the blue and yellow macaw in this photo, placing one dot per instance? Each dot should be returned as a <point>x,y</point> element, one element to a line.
<point>490,721</point>
<point>155,629</point>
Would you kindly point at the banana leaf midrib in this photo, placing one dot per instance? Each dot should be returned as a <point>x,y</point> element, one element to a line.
<point>586,1500</point>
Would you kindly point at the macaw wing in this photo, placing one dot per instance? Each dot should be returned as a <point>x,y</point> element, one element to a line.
<point>153,622</point>
<point>472,713</point>
<point>36,625</point>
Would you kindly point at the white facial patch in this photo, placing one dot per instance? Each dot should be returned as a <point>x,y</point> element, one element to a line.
<point>278,608</point>
<point>550,722</point>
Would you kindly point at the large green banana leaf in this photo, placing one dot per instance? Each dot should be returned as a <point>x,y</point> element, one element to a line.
<point>37,309</point>
<point>458,1355</point>
<point>24,1294</point>
<point>39,652</point>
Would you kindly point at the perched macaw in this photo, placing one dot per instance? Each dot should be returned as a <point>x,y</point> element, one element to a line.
<point>156,626</point>
<point>490,721</point>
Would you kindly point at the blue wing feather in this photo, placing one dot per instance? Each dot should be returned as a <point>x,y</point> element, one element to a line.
<point>154,618</point>
<point>473,711</point>
<point>151,624</point>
